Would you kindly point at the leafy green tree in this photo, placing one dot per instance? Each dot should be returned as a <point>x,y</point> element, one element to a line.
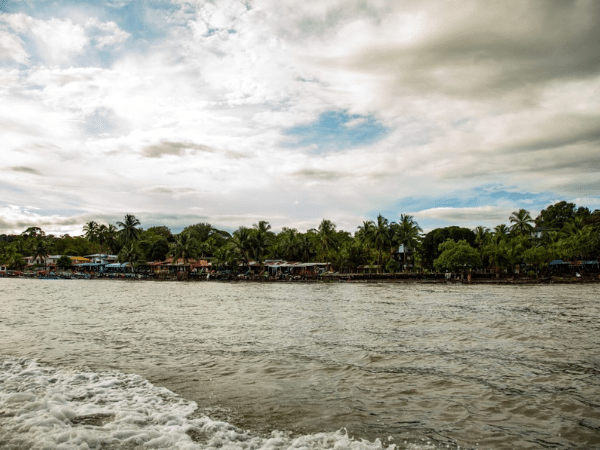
<point>64,262</point>
<point>72,245</point>
<point>429,249</point>
<point>159,250</point>
<point>539,257</point>
<point>33,232</point>
<point>556,216</point>
<point>392,266</point>
<point>457,256</point>
<point>12,257</point>
<point>155,233</point>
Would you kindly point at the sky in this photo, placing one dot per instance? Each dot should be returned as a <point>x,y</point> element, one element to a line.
<point>231,112</point>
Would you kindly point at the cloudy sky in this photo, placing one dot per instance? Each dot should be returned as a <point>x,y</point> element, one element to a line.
<point>234,111</point>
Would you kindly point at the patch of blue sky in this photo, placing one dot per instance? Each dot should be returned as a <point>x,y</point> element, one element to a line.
<point>477,197</point>
<point>143,19</point>
<point>336,131</point>
<point>101,122</point>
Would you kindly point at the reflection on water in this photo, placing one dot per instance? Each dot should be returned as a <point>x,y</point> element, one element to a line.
<point>475,366</point>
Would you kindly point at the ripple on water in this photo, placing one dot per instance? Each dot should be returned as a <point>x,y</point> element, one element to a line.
<point>475,366</point>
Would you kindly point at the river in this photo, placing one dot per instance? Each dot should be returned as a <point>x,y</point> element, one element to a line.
<point>107,364</point>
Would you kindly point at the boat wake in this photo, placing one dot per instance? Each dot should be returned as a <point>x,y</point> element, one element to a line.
<point>44,407</point>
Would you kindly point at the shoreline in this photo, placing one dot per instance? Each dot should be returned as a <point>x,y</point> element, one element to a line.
<point>337,278</point>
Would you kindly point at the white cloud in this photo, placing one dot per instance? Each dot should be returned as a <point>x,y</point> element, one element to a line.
<point>198,118</point>
<point>465,215</point>
<point>58,40</point>
<point>15,219</point>
<point>106,34</point>
<point>11,48</point>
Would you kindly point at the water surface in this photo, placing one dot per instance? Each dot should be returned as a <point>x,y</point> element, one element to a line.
<point>415,366</point>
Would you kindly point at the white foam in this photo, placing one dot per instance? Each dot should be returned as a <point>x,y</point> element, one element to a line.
<point>47,408</point>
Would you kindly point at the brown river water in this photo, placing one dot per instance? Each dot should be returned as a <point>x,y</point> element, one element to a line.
<point>284,365</point>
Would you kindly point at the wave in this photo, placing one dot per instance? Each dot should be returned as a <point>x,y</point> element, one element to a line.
<point>51,408</point>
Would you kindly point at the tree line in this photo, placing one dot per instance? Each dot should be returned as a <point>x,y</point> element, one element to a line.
<point>564,231</point>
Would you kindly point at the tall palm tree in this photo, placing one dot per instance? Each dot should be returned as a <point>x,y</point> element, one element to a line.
<point>305,248</point>
<point>326,239</point>
<point>40,251</point>
<point>365,232</point>
<point>522,222</point>
<point>183,248</point>
<point>501,233</point>
<point>287,244</point>
<point>407,233</point>
<point>111,238</point>
<point>101,236</point>
<point>482,238</point>
<point>481,235</point>
<point>129,228</point>
<point>129,253</point>
<point>381,237</point>
<point>90,231</point>
<point>260,239</point>
<point>242,244</point>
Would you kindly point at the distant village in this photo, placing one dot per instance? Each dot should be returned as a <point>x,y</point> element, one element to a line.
<point>561,243</point>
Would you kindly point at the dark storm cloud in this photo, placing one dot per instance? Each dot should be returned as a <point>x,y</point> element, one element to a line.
<point>562,130</point>
<point>490,50</point>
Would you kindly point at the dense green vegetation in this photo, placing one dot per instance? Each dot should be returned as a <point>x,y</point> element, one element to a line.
<point>561,231</point>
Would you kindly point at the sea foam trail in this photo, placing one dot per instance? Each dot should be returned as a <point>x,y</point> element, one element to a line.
<point>48,408</point>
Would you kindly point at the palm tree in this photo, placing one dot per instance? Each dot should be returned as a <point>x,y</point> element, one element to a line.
<point>90,231</point>
<point>381,237</point>
<point>101,236</point>
<point>129,254</point>
<point>482,239</point>
<point>260,239</point>
<point>128,228</point>
<point>407,233</point>
<point>241,244</point>
<point>326,239</point>
<point>183,248</point>
<point>522,222</point>
<point>512,251</point>
<point>365,232</point>
<point>40,251</point>
<point>482,234</point>
<point>111,238</point>
<point>501,233</point>
<point>286,244</point>
<point>304,248</point>
<point>12,257</point>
